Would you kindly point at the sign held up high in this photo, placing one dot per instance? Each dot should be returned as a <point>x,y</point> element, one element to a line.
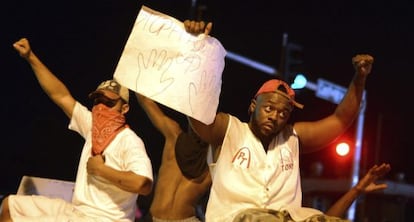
<point>164,62</point>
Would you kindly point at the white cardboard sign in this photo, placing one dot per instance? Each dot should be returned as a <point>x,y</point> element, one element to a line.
<point>167,64</point>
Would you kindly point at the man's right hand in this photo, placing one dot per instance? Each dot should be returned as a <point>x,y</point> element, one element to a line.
<point>197,27</point>
<point>23,47</point>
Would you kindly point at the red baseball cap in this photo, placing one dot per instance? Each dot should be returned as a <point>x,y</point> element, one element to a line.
<point>274,85</point>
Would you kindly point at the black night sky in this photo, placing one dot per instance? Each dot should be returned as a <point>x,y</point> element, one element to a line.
<point>81,42</point>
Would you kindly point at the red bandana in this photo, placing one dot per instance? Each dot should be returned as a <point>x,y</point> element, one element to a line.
<point>106,124</point>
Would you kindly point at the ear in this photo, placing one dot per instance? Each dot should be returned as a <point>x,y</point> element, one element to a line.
<point>252,106</point>
<point>125,108</point>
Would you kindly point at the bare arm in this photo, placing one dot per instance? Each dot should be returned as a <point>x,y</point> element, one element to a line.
<point>50,84</point>
<point>365,185</point>
<point>205,132</point>
<point>192,159</point>
<point>167,126</point>
<point>213,133</point>
<point>317,134</point>
<point>126,180</point>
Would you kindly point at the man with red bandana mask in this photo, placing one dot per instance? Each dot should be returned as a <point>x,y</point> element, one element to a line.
<point>114,167</point>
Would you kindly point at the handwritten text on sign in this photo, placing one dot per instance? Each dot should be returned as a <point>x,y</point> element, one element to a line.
<point>167,64</point>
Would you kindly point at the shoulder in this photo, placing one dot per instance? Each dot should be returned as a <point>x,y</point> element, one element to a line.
<point>289,131</point>
<point>129,136</point>
<point>80,109</point>
<point>226,117</point>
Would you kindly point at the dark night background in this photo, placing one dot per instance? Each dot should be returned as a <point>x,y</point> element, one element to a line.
<point>81,42</point>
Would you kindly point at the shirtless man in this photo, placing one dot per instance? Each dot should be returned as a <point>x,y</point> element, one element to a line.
<point>175,196</point>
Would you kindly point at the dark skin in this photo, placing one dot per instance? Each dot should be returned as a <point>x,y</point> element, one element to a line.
<point>270,112</point>
<point>269,115</point>
<point>313,135</point>
<point>197,27</point>
<point>366,184</point>
<point>175,196</point>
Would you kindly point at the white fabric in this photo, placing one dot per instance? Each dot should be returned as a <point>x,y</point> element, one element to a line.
<point>190,219</point>
<point>46,187</point>
<point>31,208</point>
<point>267,180</point>
<point>96,197</point>
<point>210,161</point>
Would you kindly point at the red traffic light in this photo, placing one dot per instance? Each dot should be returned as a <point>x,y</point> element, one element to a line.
<point>342,149</point>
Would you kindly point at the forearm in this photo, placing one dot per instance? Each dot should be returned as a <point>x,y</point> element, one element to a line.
<point>349,107</point>
<point>213,133</point>
<point>339,208</point>
<point>52,86</point>
<point>162,122</point>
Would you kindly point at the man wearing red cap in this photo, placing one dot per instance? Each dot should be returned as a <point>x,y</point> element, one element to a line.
<point>114,167</point>
<point>257,176</point>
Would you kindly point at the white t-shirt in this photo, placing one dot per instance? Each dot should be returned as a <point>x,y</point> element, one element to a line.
<point>95,196</point>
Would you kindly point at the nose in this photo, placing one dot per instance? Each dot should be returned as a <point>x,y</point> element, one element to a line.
<point>273,115</point>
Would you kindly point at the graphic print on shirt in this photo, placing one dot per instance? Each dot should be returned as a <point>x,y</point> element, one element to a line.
<point>242,158</point>
<point>286,159</point>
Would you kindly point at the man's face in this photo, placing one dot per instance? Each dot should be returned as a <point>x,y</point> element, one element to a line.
<point>269,114</point>
<point>108,99</point>
<point>101,98</point>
